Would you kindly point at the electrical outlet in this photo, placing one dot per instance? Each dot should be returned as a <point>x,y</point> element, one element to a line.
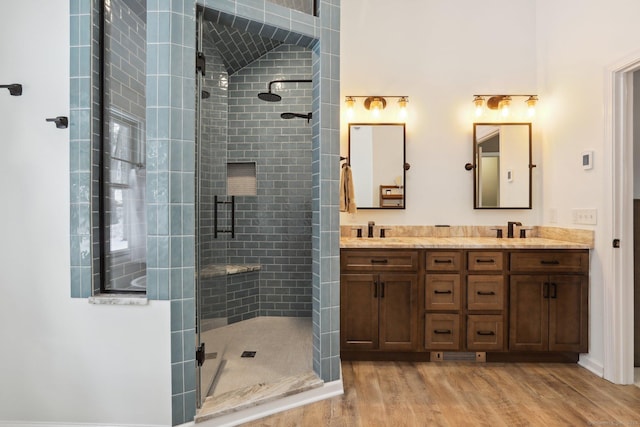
<point>585,216</point>
<point>553,215</point>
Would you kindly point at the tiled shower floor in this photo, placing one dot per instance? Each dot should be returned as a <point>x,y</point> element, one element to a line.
<point>283,347</point>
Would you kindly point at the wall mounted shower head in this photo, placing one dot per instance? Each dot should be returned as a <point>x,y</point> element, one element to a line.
<point>205,94</point>
<point>274,97</point>
<point>294,115</point>
<point>15,89</point>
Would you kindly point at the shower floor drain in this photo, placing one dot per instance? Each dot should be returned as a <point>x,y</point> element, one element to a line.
<point>248,354</point>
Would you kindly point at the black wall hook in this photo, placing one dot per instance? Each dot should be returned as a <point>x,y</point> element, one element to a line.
<point>15,89</point>
<point>60,121</point>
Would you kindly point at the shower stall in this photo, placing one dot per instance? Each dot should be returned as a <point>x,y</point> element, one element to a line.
<point>253,205</point>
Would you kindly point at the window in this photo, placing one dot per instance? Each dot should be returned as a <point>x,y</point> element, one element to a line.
<point>122,202</point>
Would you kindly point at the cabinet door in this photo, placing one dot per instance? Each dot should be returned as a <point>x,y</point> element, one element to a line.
<point>568,311</point>
<point>358,311</point>
<point>398,311</point>
<point>529,313</point>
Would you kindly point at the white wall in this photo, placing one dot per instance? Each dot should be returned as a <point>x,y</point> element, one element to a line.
<point>575,47</point>
<point>61,359</point>
<point>439,53</point>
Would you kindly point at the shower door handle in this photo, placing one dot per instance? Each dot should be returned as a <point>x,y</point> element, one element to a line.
<point>216,202</point>
<point>215,217</point>
<point>233,217</point>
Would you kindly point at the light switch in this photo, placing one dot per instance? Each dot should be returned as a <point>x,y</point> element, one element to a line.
<point>585,216</point>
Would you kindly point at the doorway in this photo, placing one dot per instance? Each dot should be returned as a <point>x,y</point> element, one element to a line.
<point>619,298</point>
<point>635,114</point>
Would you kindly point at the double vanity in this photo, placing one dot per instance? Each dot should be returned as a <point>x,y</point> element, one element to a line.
<point>434,293</point>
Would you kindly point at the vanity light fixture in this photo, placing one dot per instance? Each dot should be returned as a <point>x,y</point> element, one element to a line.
<point>503,103</point>
<point>376,104</point>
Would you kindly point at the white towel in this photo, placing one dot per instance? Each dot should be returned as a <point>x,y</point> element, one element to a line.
<point>347,196</point>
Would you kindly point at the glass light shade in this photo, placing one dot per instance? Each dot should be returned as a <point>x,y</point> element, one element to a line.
<point>504,106</point>
<point>531,105</point>
<point>478,101</point>
<point>350,104</point>
<point>402,103</point>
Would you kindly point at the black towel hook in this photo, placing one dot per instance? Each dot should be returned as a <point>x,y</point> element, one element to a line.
<point>61,122</point>
<point>15,89</point>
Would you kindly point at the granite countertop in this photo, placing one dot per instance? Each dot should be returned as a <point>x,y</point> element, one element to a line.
<point>458,243</point>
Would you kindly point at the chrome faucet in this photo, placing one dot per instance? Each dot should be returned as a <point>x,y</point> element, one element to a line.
<point>510,225</point>
<point>370,229</point>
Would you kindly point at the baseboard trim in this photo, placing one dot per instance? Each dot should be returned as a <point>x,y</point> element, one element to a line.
<point>5,423</point>
<point>326,391</point>
<point>591,365</point>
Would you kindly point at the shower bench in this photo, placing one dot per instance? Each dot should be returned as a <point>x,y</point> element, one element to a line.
<point>229,293</point>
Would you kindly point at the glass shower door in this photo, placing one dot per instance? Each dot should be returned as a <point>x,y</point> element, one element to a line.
<point>214,210</point>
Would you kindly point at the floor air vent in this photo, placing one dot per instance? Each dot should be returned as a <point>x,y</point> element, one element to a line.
<point>457,356</point>
<point>248,354</point>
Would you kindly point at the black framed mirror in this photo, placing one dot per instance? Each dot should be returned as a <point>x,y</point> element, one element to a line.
<point>502,165</point>
<point>377,159</point>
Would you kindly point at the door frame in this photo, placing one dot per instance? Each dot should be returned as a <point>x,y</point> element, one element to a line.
<point>618,283</point>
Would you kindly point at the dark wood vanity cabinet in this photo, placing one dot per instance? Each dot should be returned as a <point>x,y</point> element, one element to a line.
<point>378,309</point>
<point>504,302</point>
<point>549,302</point>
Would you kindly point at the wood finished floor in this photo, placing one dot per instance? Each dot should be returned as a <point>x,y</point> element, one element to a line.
<point>468,394</point>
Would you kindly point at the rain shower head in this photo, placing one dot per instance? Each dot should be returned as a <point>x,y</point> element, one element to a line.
<point>274,97</point>
<point>269,96</point>
<point>294,115</point>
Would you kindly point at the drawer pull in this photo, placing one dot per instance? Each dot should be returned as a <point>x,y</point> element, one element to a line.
<point>552,262</point>
<point>485,261</point>
<point>442,261</point>
<point>487,333</point>
<point>442,292</point>
<point>486,293</point>
<point>379,261</point>
<point>442,331</point>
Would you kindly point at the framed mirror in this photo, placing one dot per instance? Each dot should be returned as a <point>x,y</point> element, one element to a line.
<point>502,165</point>
<point>377,159</point>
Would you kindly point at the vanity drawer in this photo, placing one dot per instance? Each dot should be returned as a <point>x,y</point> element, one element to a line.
<point>444,261</point>
<point>485,332</point>
<point>442,331</point>
<point>485,292</point>
<point>485,261</point>
<point>550,261</point>
<point>378,260</point>
<point>442,292</point>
